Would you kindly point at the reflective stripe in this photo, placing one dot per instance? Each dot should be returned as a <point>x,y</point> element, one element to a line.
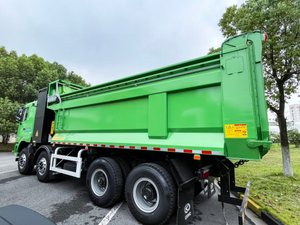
<point>204,152</point>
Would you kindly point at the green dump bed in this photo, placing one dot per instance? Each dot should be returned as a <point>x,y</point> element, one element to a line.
<point>210,105</point>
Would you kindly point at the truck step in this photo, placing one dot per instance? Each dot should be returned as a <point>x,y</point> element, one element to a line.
<point>71,167</point>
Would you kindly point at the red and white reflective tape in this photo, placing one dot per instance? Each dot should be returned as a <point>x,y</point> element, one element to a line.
<point>145,148</point>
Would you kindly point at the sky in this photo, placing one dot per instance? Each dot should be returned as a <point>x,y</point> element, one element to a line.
<point>106,40</point>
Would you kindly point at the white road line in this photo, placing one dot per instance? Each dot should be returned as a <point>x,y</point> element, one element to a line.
<point>110,214</point>
<point>7,171</point>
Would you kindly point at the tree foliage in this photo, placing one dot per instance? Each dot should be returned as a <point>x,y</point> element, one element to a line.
<point>280,20</point>
<point>275,138</point>
<point>213,50</point>
<point>7,118</point>
<point>294,137</point>
<point>20,79</point>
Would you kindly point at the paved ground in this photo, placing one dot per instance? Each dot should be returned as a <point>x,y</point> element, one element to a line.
<point>66,202</point>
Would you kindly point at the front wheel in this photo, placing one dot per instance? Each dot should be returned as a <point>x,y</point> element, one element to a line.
<point>151,194</point>
<point>23,162</point>
<point>42,167</point>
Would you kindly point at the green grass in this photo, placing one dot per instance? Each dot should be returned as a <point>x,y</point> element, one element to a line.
<point>275,193</point>
<point>8,147</point>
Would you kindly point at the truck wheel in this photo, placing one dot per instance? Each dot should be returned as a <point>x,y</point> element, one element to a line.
<point>165,165</point>
<point>104,182</point>
<point>23,163</point>
<point>125,169</point>
<point>151,194</point>
<point>42,167</point>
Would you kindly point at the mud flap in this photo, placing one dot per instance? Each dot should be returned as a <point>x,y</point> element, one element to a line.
<point>185,180</point>
<point>185,209</point>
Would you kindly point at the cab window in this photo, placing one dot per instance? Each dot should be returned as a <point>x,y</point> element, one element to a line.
<point>25,114</point>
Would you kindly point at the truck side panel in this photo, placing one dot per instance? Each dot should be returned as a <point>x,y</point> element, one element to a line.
<point>210,105</point>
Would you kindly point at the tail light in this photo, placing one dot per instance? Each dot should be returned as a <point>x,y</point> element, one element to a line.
<point>265,37</point>
<point>205,173</point>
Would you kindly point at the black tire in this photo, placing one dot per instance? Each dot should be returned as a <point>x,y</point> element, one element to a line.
<point>104,182</point>
<point>164,165</point>
<point>23,163</point>
<point>151,194</point>
<point>42,167</point>
<point>125,168</point>
<point>197,188</point>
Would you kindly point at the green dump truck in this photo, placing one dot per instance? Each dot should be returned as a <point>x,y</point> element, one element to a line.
<point>157,138</point>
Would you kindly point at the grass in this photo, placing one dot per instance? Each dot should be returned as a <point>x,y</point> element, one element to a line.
<point>8,147</point>
<point>275,193</point>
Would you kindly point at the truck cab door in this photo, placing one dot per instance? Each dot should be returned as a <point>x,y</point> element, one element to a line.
<point>26,122</point>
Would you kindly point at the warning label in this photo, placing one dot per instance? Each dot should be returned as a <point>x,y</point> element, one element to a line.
<point>55,138</point>
<point>236,131</point>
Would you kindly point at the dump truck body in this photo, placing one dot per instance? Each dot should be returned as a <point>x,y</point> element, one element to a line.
<point>186,120</point>
<point>211,105</point>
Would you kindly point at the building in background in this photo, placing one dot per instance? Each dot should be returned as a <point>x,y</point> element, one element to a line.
<point>295,112</point>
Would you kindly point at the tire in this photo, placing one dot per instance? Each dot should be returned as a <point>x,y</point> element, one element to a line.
<point>197,188</point>
<point>104,182</point>
<point>23,163</point>
<point>151,194</point>
<point>42,167</point>
<point>165,165</point>
<point>125,169</point>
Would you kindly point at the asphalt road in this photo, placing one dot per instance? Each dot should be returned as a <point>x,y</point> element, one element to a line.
<point>65,201</point>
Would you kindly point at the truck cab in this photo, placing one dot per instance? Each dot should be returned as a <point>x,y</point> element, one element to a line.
<point>25,117</point>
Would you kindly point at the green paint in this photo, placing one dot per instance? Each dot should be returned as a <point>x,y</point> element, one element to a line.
<point>157,119</point>
<point>182,106</point>
<point>25,129</point>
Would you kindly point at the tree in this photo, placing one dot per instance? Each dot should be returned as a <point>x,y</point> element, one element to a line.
<point>280,20</point>
<point>21,77</point>
<point>213,50</point>
<point>75,79</point>
<point>275,138</point>
<point>8,123</point>
<point>294,137</point>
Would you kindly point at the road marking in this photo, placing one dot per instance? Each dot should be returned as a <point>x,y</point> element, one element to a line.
<point>7,171</point>
<point>110,214</point>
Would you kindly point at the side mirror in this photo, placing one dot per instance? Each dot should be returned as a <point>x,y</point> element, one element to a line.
<point>19,114</point>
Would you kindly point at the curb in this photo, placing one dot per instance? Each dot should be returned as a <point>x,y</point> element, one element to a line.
<point>266,217</point>
<point>6,150</point>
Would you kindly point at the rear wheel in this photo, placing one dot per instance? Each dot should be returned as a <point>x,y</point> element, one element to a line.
<point>23,162</point>
<point>104,182</point>
<point>125,169</point>
<point>151,194</point>
<point>42,167</point>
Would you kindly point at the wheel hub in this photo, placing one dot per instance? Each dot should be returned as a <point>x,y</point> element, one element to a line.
<point>148,193</point>
<point>102,182</point>
<point>42,166</point>
<point>22,161</point>
<point>99,182</point>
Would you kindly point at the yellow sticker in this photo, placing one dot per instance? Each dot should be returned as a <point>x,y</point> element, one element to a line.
<point>37,133</point>
<point>55,138</point>
<point>52,127</point>
<point>59,138</point>
<point>236,131</point>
